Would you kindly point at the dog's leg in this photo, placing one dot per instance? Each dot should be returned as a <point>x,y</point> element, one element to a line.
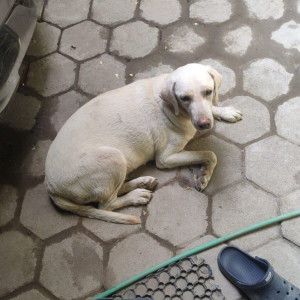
<point>183,158</point>
<point>145,182</point>
<point>227,113</point>
<point>135,197</point>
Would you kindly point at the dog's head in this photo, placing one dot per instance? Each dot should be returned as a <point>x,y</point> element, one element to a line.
<point>192,89</point>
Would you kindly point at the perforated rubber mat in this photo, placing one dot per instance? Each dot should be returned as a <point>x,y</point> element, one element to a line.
<point>189,279</point>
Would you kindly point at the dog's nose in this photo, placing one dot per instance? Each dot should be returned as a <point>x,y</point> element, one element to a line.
<point>204,123</point>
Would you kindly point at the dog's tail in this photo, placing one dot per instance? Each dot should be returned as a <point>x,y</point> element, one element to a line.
<point>94,213</point>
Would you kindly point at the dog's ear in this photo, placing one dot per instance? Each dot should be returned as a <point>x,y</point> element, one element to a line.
<point>217,77</point>
<point>167,94</point>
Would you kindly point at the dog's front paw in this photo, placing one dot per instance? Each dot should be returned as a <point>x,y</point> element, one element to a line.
<point>231,114</point>
<point>201,178</point>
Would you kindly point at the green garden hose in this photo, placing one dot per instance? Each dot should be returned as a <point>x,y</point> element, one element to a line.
<point>199,249</point>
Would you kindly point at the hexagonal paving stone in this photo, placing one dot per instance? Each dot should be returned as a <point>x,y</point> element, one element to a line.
<point>210,11</point>
<point>274,164</point>
<point>290,228</point>
<point>41,217</point>
<point>77,43</point>
<point>180,39</point>
<point>67,104</point>
<point>107,231</point>
<point>51,74</point>
<point>21,112</point>
<point>161,12</point>
<point>66,12</point>
<point>288,35</point>
<point>35,162</point>
<point>240,206</point>
<point>237,41</point>
<point>284,257</point>
<point>273,84</point>
<point>153,71</point>
<point>228,76</point>
<point>255,123</point>
<point>113,12</point>
<point>287,117</point>
<point>8,203</point>
<point>17,262</point>
<point>176,227</point>
<point>229,166</point>
<point>210,257</point>
<point>91,77</point>
<point>31,295</point>
<point>133,255</point>
<point>125,43</point>
<point>44,40</point>
<point>73,267</point>
<point>265,9</point>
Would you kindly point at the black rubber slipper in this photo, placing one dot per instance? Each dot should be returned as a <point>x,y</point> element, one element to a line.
<point>254,276</point>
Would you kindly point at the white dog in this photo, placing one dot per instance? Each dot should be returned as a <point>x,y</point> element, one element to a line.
<point>118,131</point>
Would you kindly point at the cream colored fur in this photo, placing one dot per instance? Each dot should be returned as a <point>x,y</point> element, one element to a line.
<point>118,131</point>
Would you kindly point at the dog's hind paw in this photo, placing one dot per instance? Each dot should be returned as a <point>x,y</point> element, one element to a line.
<point>140,196</point>
<point>148,182</point>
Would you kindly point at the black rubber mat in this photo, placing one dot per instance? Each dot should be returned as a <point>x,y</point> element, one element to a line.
<point>189,279</point>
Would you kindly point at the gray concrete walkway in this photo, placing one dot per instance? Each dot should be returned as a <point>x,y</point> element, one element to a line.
<point>85,47</point>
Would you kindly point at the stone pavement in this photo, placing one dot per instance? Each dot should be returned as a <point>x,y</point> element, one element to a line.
<point>85,47</point>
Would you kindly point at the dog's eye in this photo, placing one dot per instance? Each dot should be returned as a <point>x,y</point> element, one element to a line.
<point>185,98</point>
<point>208,92</point>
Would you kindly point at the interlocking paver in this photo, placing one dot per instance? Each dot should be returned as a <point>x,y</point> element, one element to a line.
<point>76,43</point>
<point>228,75</point>
<point>153,71</point>
<point>110,231</point>
<point>265,9</point>
<point>230,212</point>
<point>66,105</point>
<point>284,257</point>
<point>21,112</point>
<point>175,227</point>
<point>124,41</point>
<point>91,77</point>
<point>290,228</point>
<point>31,295</point>
<point>44,40</point>
<point>287,117</point>
<point>228,169</point>
<point>17,262</point>
<point>181,39</point>
<point>113,12</point>
<point>161,12</point>
<point>126,260</point>
<point>85,47</point>
<point>66,12</point>
<point>41,217</point>
<point>273,164</point>
<point>35,162</point>
<point>210,11</point>
<point>8,203</point>
<point>255,123</point>
<point>288,35</point>
<point>73,267</point>
<point>273,84</point>
<point>51,74</point>
<point>237,41</point>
